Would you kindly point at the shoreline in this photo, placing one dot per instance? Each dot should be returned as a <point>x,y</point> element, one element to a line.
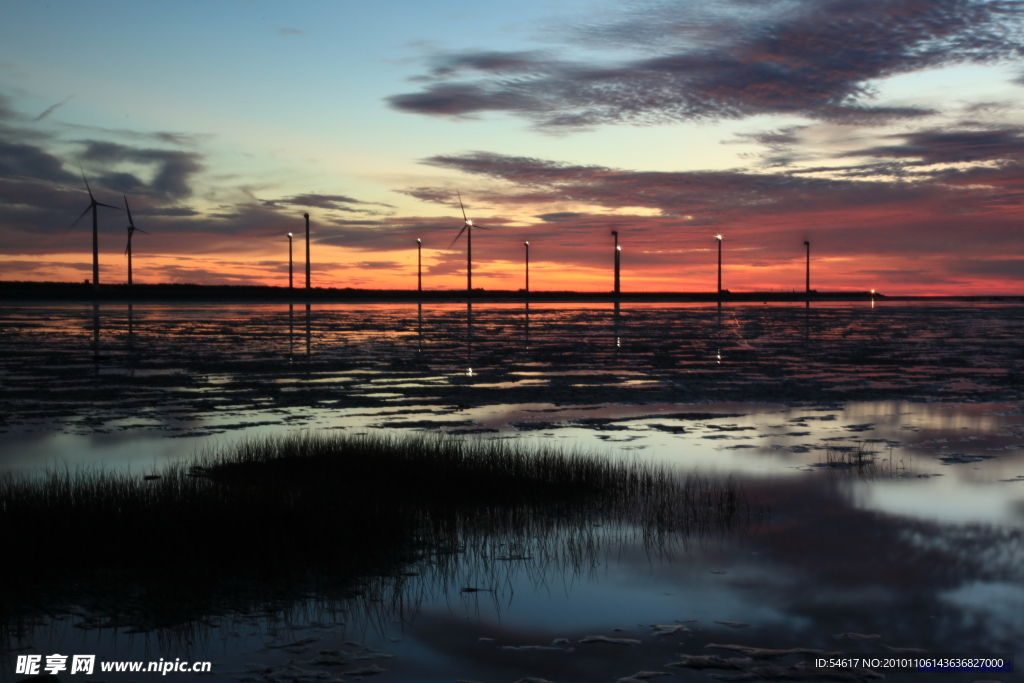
<point>24,292</point>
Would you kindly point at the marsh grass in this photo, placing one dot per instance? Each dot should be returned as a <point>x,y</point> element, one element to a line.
<point>864,461</point>
<point>266,524</point>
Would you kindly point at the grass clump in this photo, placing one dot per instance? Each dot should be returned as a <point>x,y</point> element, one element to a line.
<point>863,460</point>
<point>267,522</point>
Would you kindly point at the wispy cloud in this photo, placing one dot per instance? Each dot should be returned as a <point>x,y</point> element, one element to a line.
<point>49,110</point>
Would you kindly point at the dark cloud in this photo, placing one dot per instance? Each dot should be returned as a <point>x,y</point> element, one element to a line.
<point>338,221</point>
<point>462,99</point>
<point>376,265</point>
<point>167,211</point>
<point>678,193</point>
<point>336,202</point>
<point>449,65</point>
<point>173,168</point>
<point>6,112</point>
<point>559,216</point>
<point>432,194</point>
<point>816,58</point>
<point>19,160</point>
<point>181,139</point>
<point>781,144</point>
<point>125,183</point>
<point>765,216</point>
<point>957,146</point>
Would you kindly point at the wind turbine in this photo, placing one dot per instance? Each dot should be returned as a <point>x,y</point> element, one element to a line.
<point>131,230</point>
<point>467,227</point>
<point>95,232</point>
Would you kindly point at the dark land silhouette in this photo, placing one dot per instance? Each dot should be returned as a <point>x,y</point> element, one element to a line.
<point>84,291</point>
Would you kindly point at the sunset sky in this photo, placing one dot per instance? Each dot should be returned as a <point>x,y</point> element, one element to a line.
<point>888,133</point>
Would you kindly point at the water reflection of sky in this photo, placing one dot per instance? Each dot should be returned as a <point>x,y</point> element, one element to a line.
<point>925,549</point>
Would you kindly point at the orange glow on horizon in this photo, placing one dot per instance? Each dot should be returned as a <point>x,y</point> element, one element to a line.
<point>339,267</point>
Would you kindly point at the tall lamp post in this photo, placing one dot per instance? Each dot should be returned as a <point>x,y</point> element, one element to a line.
<point>419,265</point>
<point>306,216</point>
<point>527,266</point>
<point>290,261</point>
<point>808,279</point>
<point>618,250</point>
<point>719,238</point>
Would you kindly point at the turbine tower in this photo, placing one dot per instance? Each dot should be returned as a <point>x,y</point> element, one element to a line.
<point>618,252</point>
<point>306,216</point>
<point>808,280</point>
<point>467,227</point>
<point>131,230</point>
<point>719,238</point>
<point>95,232</point>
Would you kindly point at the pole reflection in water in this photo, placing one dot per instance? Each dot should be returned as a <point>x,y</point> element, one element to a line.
<point>419,327</point>
<point>807,323</point>
<point>131,356</point>
<point>291,330</point>
<point>718,334</point>
<point>527,324</point>
<point>615,324</point>
<point>469,338</point>
<point>309,330</point>
<point>96,337</point>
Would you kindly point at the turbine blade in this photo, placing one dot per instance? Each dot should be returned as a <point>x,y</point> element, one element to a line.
<point>130,221</point>
<point>80,217</point>
<point>140,230</point>
<point>108,206</point>
<point>464,219</point>
<point>84,178</point>
<point>481,227</point>
<point>129,245</point>
<point>457,237</point>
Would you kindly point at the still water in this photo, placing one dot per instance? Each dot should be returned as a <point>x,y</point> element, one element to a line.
<point>918,544</point>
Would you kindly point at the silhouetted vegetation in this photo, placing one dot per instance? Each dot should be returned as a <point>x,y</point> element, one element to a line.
<point>863,460</point>
<point>266,524</point>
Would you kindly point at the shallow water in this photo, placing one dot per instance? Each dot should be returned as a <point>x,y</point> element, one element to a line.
<point>920,542</point>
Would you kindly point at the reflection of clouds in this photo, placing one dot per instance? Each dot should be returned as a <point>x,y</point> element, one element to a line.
<point>997,607</point>
<point>929,500</point>
<point>923,415</point>
<point>871,572</point>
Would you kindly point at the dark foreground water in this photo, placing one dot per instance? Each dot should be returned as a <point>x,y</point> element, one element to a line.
<point>919,545</point>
